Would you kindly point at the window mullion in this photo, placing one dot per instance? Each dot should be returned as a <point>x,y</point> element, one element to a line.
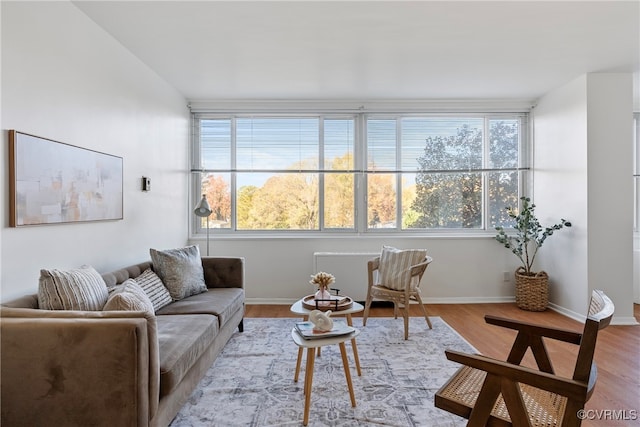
<point>233,175</point>
<point>321,175</point>
<point>484,180</point>
<point>360,179</point>
<point>399,174</point>
<point>525,156</point>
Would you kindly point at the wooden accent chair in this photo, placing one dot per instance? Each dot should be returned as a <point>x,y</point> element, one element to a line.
<point>400,298</point>
<point>495,393</point>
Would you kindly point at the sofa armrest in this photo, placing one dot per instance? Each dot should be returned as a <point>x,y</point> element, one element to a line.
<point>77,368</point>
<point>223,272</point>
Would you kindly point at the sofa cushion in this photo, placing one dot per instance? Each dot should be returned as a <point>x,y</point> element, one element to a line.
<point>76,289</point>
<point>155,290</point>
<point>221,302</point>
<point>180,270</point>
<point>128,296</point>
<point>395,266</point>
<point>182,339</point>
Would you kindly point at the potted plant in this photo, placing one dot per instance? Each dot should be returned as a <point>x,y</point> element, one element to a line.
<point>532,288</point>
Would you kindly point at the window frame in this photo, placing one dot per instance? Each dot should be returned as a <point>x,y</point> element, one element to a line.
<point>360,172</point>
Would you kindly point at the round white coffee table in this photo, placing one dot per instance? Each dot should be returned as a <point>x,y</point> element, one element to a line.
<point>311,345</point>
<point>298,309</point>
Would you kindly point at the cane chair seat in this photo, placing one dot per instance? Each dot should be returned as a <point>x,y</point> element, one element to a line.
<point>544,408</point>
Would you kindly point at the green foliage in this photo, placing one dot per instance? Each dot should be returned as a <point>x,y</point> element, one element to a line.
<point>454,199</point>
<point>529,234</point>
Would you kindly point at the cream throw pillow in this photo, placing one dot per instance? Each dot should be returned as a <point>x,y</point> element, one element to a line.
<point>395,266</point>
<point>129,296</point>
<point>76,289</point>
<point>180,270</point>
<point>155,290</point>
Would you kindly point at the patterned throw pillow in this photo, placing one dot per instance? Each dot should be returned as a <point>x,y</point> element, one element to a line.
<point>180,270</point>
<point>129,296</point>
<point>155,290</point>
<point>395,266</point>
<point>76,289</point>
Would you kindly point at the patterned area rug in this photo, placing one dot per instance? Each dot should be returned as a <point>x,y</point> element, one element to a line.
<point>251,382</point>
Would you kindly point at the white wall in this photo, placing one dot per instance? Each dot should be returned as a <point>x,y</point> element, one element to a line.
<point>560,190</point>
<point>610,132</point>
<point>582,165</point>
<point>65,79</point>
<point>463,270</point>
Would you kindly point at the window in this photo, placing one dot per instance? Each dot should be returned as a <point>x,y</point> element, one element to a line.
<point>275,173</point>
<point>449,172</point>
<point>359,172</point>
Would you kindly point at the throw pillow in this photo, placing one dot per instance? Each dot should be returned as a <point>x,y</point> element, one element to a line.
<point>129,296</point>
<point>76,289</point>
<point>155,290</point>
<point>395,266</point>
<point>180,270</point>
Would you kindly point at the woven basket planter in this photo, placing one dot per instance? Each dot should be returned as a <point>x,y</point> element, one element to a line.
<point>532,292</point>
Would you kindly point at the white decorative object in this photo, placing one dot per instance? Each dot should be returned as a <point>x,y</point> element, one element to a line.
<point>321,320</point>
<point>322,280</point>
<point>323,297</point>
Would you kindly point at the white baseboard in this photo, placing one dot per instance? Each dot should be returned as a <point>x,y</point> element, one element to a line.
<point>469,300</point>
<point>453,300</point>
<point>624,321</point>
<point>615,321</point>
<point>569,313</point>
<point>270,301</point>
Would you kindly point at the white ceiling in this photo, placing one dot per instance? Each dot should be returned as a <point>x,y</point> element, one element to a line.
<point>363,50</point>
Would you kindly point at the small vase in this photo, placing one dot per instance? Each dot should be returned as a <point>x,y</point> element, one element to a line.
<point>322,294</point>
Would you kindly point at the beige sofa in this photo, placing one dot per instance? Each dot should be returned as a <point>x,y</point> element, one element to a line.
<point>115,368</point>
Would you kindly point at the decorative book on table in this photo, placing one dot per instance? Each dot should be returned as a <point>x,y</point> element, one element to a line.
<point>340,327</point>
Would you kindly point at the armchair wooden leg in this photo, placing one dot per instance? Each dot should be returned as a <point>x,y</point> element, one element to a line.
<point>405,314</point>
<point>424,310</point>
<point>367,306</point>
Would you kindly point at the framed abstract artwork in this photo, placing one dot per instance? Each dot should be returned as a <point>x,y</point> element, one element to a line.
<point>51,182</point>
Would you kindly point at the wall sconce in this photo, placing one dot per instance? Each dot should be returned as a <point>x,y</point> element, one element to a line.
<point>146,184</point>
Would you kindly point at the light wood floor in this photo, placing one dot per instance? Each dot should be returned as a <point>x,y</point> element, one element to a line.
<point>617,351</point>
